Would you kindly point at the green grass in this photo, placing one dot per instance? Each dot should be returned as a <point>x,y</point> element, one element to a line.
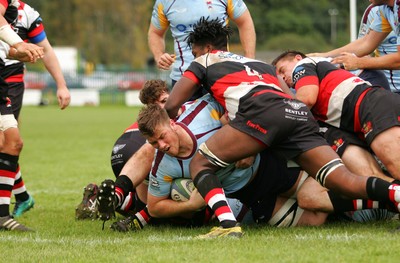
<point>65,150</point>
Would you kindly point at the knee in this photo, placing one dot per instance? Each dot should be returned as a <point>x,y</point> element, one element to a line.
<point>13,147</point>
<point>307,202</point>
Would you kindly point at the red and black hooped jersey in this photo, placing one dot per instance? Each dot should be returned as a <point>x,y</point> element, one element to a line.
<point>335,85</point>
<point>228,77</point>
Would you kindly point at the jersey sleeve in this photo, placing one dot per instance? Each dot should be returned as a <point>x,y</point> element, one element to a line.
<point>158,17</point>
<point>380,20</point>
<point>305,74</point>
<point>235,8</point>
<point>35,26</point>
<point>158,186</point>
<point>160,179</point>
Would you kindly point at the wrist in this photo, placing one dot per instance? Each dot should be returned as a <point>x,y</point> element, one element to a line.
<point>9,36</point>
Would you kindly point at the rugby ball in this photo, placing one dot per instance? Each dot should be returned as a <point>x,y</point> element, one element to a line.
<point>181,189</point>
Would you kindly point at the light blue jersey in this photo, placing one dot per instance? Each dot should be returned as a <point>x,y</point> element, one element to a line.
<point>180,15</point>
<point>387,46</point>
<point>200,120</point>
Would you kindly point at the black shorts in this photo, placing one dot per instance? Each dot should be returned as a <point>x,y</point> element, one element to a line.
<point>379,111</point>
<point>16,94</point>
<point>273,178</point>
<point>124,148</point>
<point>278,121</point>
<point>339,139</point>
<point>375,77</point>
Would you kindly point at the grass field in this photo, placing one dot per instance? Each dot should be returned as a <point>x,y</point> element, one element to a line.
<point>65,150</point>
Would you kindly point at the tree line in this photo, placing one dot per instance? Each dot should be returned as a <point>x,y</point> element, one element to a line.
<point>115,32</point>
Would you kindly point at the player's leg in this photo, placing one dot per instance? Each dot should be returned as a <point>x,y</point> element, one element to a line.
<point>361,162</point>
<point>8,170</point>
<point>323,164</point>
<point>386,146</point>
<point>226,146</point>
<point>287,213</point>
<point>112,195</point>
<point>355,153</point>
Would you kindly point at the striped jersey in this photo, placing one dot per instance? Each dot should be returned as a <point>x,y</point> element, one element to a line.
<point>10,15</point>
<point>228,77</point>
<point>180,15</point>
<point>387,46</point>
<point>30,28</point>
<point>334,84</point>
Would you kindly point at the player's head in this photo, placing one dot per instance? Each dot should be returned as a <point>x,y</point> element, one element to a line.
<point>158,129</point>
<point>208,35</point>
<point>285,64</point>
<point>154,91</point>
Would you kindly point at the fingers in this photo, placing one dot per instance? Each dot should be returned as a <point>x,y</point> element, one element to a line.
<point>63,102</point>
<point>165,61</point>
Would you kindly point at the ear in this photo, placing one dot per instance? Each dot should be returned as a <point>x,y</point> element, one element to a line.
<point>209,48</point>
<point>298,57</point>
<point>172,124</point>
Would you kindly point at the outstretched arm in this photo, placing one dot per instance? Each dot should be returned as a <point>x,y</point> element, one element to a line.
<point>52,65</point>
<point>360,47</point>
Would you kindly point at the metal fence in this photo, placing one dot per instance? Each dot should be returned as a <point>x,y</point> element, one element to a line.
<point>111,86</point>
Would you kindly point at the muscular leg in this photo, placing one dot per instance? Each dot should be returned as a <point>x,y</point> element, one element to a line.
<point>361,162</point>
<point>340,180</point>
<point>386,146</point>
<point>226,146</point>
<point>230,145</point>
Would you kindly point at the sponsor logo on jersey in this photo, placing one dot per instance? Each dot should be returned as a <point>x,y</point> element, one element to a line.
<point>118,147</point>
<point>298,72</point>
<point>295,104</point>
<point>154,184</point>
<point>295,113</point>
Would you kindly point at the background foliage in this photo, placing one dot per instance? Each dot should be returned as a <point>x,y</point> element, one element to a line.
<point>115,32</point>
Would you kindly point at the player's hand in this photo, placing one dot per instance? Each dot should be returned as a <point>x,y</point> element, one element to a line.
<point>27,52</point>
<point>347,61</point>
<point>165,61</point>
<point>63,97</point>
<point>245,163</point>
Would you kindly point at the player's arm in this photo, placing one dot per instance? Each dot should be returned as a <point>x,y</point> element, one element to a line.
<point>308,94</point>
<point>247,34</point>
<point>156,41</point>
<point>52,65</point>
<point>163,207</point>
<point>182,91</point>
<point>350,62</point>
<point>360,47</point>
<point>20,50</point>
